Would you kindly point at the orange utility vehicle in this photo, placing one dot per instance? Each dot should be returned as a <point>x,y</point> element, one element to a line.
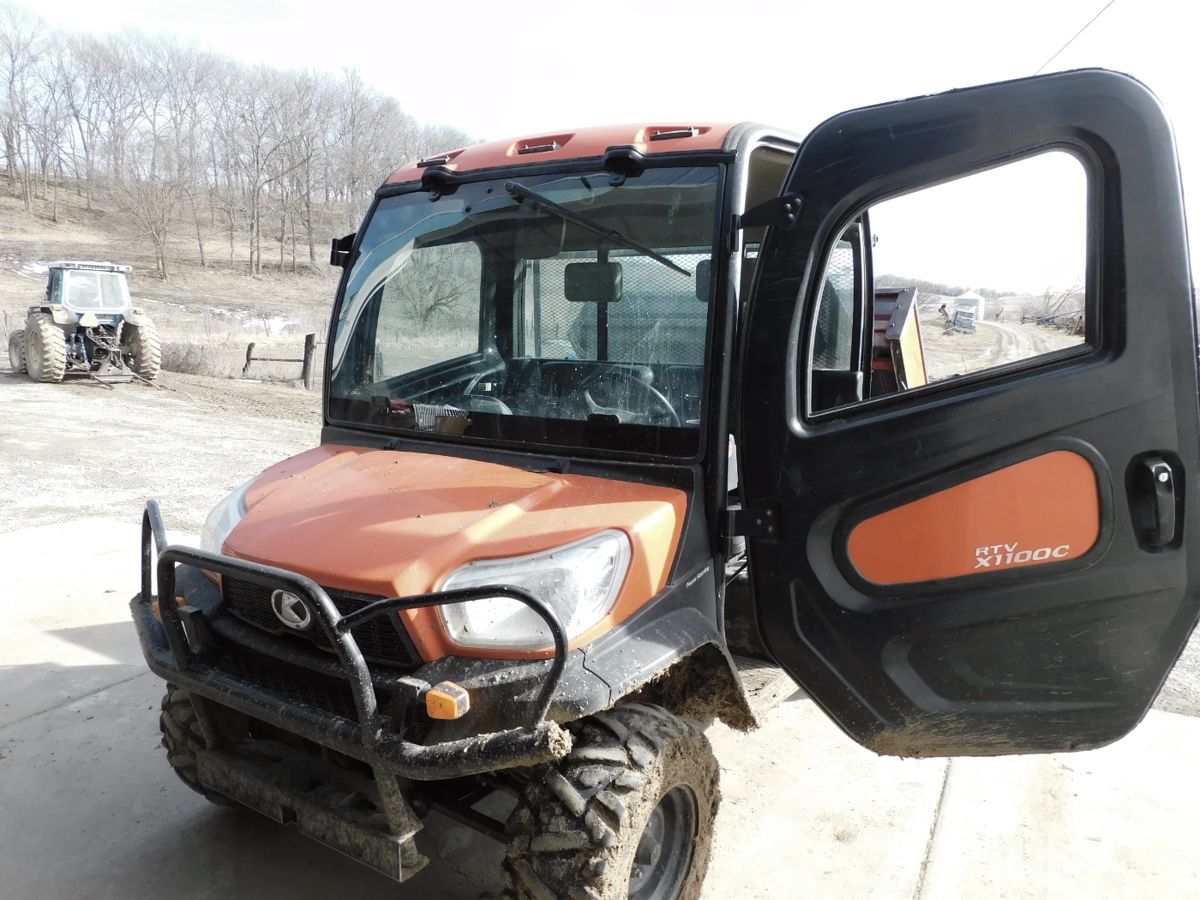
<point>607,437</point>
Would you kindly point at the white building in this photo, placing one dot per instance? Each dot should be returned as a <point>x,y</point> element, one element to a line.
<point>972,301</point>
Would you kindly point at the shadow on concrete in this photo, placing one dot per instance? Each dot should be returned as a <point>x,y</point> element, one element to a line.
<point>92,809</point>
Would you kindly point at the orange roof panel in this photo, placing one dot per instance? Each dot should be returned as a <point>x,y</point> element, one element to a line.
<point>578,144</point>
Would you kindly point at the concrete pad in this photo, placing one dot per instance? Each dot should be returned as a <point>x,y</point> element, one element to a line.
<point>64,619</point>
<point>92,811</point>
<point>1118,822</point>
<point>806,812</point>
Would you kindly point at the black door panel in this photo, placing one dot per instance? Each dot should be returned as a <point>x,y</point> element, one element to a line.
<point>1064,655</point>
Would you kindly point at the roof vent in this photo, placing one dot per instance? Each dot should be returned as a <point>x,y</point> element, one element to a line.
<point>440,160</point>
<point>670,134</point>
<point>539,148</point>
<point>544,143</point>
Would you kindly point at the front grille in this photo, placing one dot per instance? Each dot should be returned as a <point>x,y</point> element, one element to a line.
<point>382,639</point>
<point>294,683</point>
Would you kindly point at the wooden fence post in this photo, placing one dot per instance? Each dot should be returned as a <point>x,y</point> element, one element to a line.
<point>306,373</point>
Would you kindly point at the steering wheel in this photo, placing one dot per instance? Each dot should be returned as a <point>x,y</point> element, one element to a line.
<point>653,394</point>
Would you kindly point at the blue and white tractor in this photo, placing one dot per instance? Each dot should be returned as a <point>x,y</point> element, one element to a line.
<point>86,325</point>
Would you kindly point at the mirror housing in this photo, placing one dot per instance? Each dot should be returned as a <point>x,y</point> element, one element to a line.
<point>703,277</point>
<point>339,251</point>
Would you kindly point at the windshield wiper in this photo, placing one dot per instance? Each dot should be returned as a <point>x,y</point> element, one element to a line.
<point>536,201</point>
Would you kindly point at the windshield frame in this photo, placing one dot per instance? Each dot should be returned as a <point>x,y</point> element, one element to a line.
<point>715,365</point>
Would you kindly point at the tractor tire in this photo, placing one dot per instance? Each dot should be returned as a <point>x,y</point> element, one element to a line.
<point>181,738</point>
<point>627,814</point>
<point>142,349</point>
<point>45,349</point>
<point>16,351</point>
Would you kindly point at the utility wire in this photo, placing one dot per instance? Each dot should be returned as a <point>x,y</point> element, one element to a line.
<point>1076,35</point>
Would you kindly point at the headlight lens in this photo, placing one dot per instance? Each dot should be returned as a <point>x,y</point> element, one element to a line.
<point>580,581</point>
<point>224,516</point>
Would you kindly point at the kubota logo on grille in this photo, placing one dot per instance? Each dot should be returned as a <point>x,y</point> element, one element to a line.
<point>290,610</point>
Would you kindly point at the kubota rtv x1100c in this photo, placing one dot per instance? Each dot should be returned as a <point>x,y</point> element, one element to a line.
<point>616,420</point>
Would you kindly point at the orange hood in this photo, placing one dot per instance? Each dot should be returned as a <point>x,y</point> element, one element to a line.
<point>395,523</point>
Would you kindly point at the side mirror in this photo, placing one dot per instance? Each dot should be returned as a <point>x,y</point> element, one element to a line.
<point>593,282</point>
<point>703,276</point>
<point>339,251</point>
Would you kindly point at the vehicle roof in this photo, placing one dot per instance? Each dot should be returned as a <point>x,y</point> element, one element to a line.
<point>579,143</point>
<point>91,264</point>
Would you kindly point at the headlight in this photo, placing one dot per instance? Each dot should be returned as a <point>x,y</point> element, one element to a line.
<point>224,516</point>
<point>580,581</point>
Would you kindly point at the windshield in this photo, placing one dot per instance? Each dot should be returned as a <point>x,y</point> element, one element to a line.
<point>85,289</point>
<point>558,310</point>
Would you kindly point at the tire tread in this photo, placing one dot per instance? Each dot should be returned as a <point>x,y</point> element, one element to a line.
<point>588,796</point>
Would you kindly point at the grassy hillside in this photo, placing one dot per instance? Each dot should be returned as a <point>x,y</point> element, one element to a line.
<point>206,315</point>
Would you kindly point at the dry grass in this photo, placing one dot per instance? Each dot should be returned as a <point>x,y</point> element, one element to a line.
<point>205,316</point>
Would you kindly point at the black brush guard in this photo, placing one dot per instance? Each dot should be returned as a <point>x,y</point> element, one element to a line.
<point>170,653</point>
<point>539,742</point>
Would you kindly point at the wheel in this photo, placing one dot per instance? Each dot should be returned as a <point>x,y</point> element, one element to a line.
<point>142,349</point>
<point>628,813</point>
<point>181,738</point>
<point>45,349</point>
<point>16,351</point>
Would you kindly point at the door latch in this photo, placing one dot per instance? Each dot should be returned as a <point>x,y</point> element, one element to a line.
<point>1155,501</point>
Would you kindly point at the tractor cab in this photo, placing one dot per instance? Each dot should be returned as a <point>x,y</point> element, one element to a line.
<point>89,287</point>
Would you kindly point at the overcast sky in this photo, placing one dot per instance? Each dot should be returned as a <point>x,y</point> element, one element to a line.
<point>497,69</point>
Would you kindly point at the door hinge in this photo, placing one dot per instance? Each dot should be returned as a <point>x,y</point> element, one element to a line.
<point>779,212</point>
<point>735,226</point>
<point>753,522</point>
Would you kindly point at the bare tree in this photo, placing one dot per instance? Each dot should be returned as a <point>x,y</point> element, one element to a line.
<point>20,47</point>
<point>438,279</point>
<point>1056,303</point>
<point>186,143</point>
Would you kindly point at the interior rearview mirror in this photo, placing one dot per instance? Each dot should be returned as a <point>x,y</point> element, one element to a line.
<point>592,282</point>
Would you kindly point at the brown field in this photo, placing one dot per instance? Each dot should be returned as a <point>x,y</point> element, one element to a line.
<point>206,316</point>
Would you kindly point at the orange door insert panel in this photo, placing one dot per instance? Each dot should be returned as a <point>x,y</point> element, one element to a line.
<point>1039,511</point>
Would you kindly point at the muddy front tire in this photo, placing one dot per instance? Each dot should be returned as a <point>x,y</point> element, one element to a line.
<point>628,813</point>
<point>181,738</point>
<point>142,348</point>
<point>45,349</point>
<point>16,351</point>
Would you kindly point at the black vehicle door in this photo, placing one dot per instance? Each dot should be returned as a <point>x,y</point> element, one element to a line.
<point>1002,562</point>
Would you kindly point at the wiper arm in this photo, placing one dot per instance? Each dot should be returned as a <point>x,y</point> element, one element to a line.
<point>536,201</point>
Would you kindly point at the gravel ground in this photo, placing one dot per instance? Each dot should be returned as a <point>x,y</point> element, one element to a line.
<point>78,449</point>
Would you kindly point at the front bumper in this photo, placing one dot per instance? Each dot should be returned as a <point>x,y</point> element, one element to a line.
<point>176,648</point>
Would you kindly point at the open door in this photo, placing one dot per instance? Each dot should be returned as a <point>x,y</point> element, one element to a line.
<point>999,561</point>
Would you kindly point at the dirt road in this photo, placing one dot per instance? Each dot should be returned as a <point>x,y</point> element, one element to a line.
<point>78,449</point>
<point>1018,342</point>
<point>953,353</point>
